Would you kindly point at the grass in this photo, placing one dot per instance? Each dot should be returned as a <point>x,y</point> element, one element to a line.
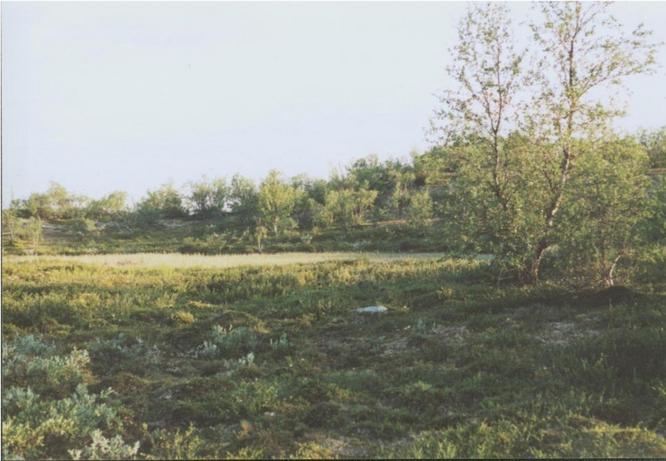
<point>264,356</point>
<point>222,261</point>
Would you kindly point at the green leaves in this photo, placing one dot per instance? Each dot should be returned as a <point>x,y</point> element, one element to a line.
<point>524,138</point>
<point>347,206</point>
<point>48,411</point>
<point>276,200</point>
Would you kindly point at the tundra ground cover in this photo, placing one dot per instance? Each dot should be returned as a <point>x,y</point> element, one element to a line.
<point>272,361</point>
<point>223,261</point>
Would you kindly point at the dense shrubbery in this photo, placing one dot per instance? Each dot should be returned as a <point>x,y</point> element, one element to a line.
<point>49,412</point>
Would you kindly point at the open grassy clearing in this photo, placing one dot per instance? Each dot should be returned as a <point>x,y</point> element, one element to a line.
<point>209,362</point>
<point>178,260</point>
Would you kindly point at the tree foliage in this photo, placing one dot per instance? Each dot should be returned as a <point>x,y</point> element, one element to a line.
<point>207,198</point>
<point>600,228</point>
<point>109,206</point>
<point>517,129</point>
<point>243,199</point>
<point>420,210</point>
<point>276,200</point>
<point>163,202</point>
<point>654,142</point>
<point>347,207</point>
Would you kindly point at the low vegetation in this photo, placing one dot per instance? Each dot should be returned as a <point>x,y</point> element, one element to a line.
<point>185,261</point>
<point>159,362</point>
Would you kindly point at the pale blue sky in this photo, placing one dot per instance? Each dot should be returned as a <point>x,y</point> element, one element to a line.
<point>107,96</point>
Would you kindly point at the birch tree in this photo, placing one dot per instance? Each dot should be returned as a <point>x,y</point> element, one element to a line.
<point>276,200</point>
<point>583,54</point>
<point>475,120</point>
<point>515,124</point>
<point>600,228</point>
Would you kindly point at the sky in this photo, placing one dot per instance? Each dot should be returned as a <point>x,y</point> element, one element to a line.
<point>127,96</point>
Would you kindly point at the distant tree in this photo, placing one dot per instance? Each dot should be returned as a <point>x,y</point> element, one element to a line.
<point>316,190</point>
<point>36,205</point>
<point>208,197</point>
<point>402,181</point>
<point>34,232</point>
<point>109,206</point>
<point>310,197</point>
<point>347,207</point>
<point>201,198</point>
<point>163,202</point>
<point>276,200</point>
<point>244,199</point>
<point>219,195</point>
<point>369,173</point>
<point>48,205</point>
<point>54,204</point>
<point>392,179</point>
<point>260,233</point>
<point>434,169</point>
<point>59,199</point>
<point>654,226</point>
<point>10,225</point>
<point>419,212</point>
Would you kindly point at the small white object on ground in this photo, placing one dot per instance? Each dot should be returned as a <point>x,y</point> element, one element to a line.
<point>371,310</point>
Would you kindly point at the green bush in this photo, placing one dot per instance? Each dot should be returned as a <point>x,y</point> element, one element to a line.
<point>48,411</point>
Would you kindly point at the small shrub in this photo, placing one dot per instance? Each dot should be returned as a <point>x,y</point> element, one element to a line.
<point>85,227</point>
<point>43,417</point>
<point>312,450</point>
<point>422,327</point>
<point>281,343</point>
<point>234,339</point>
<point>31,362</point>
<point>122,348</point>
<point>177,444</point>
<point>251,399</point>
<point>183,317</point>
<point>102,448</point>
<point>206,350</point>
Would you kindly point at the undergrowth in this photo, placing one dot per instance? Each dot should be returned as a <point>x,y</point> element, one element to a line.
<point>248,362</point>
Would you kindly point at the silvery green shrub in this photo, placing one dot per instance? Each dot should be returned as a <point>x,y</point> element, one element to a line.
<point>47,409</point>
<point>223,340</point>
<point>102,448</point>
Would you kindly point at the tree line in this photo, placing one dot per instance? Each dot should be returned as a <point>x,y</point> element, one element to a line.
<point>369,189</point>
